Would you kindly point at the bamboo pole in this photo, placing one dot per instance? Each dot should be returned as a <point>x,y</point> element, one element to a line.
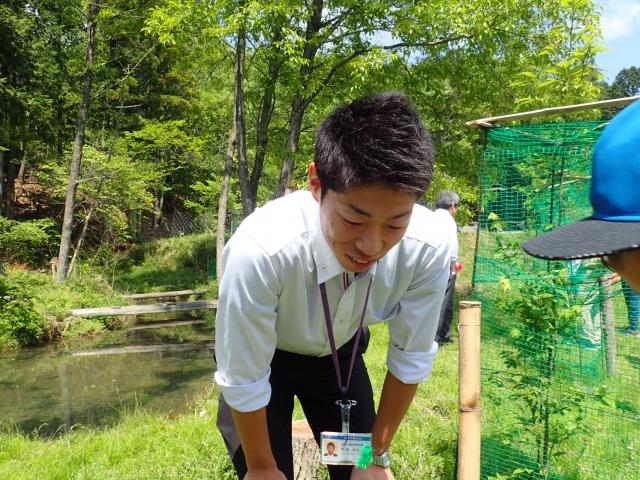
<point>490,121</point>
<point>469,434</point>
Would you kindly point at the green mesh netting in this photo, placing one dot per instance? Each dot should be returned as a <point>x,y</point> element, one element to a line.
<point>561,378</point>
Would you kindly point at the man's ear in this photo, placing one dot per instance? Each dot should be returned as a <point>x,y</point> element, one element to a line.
<point>314,182</point>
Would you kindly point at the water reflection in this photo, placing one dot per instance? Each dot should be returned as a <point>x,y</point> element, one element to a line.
<point>49,389</point>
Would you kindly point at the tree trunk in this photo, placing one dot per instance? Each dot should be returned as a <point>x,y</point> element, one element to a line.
<point>224,196</point>
<point>83,233</point>
<point>300,102</point>
<point>161,207</point>
<point>1,211</point>
<point>133,221</point>
<point>11,189</point>
<point>23,163</point>
<point>306,454</point>
<point>243,169</point>
<point>155,213</point>
<point>85,227</point>
<point>67,224</point>
<point>1,183</point>
<point>264,119</point>
<point>293,142</point>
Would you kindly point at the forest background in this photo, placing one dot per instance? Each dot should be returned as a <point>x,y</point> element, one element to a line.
<point>124,121</point>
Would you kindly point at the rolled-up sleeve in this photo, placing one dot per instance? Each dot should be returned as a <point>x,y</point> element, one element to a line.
<point>412,332</point>
<point>245,333</point>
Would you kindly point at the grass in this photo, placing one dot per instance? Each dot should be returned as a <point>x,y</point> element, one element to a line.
<point>141,446</point>
<point>164,265</point>
<point>53,299</point>
<point>144,445</point>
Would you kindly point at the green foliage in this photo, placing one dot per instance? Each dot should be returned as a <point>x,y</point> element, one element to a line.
<point>162,111</point>
<point>116,183</point>
<point>541,318</point>
<point>462,186</point>
<point>161,265</point>
<point>20,322</point>
<point>31,242</point>
<point>206,196</point>
<point>52,301</point>
<point>457,61</point>
<point>626,83</point>
<point>563,71</point>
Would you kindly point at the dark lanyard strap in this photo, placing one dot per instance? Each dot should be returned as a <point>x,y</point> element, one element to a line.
<point>332,341</point>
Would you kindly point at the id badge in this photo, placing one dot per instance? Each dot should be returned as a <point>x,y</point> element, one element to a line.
<point>339,448</point>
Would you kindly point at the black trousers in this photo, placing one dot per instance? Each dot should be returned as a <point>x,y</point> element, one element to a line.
<point>313,380</point>
<point>446,312</point>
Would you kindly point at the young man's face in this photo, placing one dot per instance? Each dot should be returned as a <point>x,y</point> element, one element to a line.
<point>362,224</point>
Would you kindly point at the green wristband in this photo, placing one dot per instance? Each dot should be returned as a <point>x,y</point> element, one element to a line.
<point>366,457</point>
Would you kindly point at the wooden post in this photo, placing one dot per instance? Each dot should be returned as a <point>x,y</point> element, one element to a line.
<point>306,454</point>
<point>469,435</point>
<point>608,323</point>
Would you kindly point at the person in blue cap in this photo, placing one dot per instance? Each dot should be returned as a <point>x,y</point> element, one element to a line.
<point>612,233</point>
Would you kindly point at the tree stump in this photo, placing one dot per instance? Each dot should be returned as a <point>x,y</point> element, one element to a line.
<point>306,454</point>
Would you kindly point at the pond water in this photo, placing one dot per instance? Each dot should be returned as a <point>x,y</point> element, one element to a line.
<point>90,382</point>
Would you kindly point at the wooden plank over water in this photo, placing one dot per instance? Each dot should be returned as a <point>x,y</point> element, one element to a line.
<point>165,324</point>
<point>177,293</point>
<point>141,309</point>
<point>180,347</point>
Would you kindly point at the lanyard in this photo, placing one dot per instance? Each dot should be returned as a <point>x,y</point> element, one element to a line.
<point>327,317</point>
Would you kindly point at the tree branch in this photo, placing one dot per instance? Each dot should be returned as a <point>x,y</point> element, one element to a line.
<point>363,51</point>
<point>131,70</point>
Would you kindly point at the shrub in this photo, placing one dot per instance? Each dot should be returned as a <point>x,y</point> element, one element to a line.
<point>32,242</point>
<point>20,322</point>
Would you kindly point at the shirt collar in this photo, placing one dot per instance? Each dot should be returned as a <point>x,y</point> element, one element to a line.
<point>327,265</point>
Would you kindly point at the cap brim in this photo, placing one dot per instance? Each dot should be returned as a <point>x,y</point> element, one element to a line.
<point>587,238</point>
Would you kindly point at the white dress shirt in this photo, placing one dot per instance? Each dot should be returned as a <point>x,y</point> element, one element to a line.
<point>450,228</point>
<point>269,297</point>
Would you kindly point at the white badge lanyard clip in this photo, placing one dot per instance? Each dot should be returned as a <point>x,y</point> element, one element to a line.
<point>345,413</point>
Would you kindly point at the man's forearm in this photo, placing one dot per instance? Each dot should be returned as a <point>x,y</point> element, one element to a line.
<point>394,402</point>
<point>254,437</point>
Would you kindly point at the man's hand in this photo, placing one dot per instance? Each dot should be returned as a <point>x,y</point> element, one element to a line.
<point>266,474</point>
<point>372,472</point>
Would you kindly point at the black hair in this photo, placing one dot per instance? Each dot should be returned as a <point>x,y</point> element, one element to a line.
<point>375,139</point>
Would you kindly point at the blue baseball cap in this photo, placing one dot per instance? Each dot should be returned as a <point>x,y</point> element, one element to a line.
<point>615,198</point>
